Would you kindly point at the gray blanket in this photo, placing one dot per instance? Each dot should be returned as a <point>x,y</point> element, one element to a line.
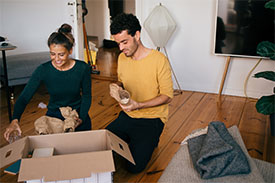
<point>216,154</point>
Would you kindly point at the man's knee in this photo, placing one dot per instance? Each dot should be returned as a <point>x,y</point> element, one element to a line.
<point>135,168</point>
<point>142,157</point>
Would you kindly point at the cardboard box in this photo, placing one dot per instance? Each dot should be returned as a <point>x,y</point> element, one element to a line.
<point>78,156</point>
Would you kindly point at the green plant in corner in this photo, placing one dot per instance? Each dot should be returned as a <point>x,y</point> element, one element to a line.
<point>266,104</point>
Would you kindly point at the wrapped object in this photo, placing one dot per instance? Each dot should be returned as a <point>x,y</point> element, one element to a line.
<point>118,93</point>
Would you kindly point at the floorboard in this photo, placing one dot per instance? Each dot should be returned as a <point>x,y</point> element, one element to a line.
<point>187,112</point>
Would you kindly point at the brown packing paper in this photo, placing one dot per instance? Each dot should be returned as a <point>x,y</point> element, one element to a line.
<point>122,96</point>
<point>50,125</point>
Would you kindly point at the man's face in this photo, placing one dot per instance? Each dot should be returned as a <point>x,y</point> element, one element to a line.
<point>127,44</point>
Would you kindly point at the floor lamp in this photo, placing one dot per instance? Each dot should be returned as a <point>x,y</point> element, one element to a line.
<point>160,26</point>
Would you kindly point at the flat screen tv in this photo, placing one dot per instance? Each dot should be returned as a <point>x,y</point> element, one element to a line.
<point>241,25</point>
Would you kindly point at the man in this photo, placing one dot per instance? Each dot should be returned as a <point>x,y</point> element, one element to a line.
<point>145,73</point>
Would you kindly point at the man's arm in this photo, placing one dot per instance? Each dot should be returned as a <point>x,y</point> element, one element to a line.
<point>159,100</point>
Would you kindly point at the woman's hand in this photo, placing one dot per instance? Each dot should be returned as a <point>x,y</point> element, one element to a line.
<point>12,128</point>
<point>78,122</point>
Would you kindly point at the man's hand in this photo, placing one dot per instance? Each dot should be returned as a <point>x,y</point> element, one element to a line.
<point>13,127</point>
<point>114,91</point>
<point>131,106</point>
<point>157,101</point>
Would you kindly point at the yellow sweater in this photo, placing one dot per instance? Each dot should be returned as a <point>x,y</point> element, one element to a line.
<point>146,79</point>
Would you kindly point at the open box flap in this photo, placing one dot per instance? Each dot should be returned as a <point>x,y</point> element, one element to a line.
<point>71,143</point>
<point>66,167</point>
<point>13,152</point>
<point>119,146</point>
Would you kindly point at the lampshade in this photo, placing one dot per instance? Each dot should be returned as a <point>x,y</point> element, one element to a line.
<point>160,26</point>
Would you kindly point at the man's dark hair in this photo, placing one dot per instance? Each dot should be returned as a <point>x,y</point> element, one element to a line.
<point>123,22</point>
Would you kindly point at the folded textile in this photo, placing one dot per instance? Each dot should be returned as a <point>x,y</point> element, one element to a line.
<point>217,154</point>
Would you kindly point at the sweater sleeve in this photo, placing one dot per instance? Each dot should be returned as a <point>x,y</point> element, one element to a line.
<point>86,93</point>
<point>165,78</point>
<point>27,93</point>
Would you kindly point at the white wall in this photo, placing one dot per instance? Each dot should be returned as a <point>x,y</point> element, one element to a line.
<point>97,21</point>
<point>190,50</point>
<point>129,6</point>
<point>28,23</point>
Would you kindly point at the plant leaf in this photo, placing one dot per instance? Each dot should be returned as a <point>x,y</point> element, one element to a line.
<point>270,4</point>
<point>265,105</point>
<point>266,49</point>
<point>269,75</point>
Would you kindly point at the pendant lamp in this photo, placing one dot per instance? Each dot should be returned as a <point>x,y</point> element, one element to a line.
<point>160,26</point>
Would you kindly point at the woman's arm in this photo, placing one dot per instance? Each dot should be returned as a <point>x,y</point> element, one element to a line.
<point>86,94</point>
<point>22,102</point>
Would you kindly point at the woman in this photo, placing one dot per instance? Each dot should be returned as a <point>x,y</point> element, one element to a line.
<point>67,80</point>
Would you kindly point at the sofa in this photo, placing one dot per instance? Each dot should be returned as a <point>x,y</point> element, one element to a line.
<point>20,67</point>
<point>19,70</point>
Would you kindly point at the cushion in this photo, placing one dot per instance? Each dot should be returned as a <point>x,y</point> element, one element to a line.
<point>180,168</point>
<point>267,170</point>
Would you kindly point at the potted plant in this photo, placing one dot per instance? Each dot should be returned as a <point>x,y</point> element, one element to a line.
<point>266,104</point>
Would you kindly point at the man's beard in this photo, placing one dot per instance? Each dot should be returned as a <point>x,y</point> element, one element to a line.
<point>132,50</point>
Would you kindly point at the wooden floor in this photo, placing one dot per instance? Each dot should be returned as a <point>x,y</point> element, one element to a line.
<point>188,111</point>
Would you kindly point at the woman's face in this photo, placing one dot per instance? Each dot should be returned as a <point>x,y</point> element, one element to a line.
<point>59,55</point>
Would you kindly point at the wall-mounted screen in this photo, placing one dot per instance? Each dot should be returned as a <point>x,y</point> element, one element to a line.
<point>241,25</point>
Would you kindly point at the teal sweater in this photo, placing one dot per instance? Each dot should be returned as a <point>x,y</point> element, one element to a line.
<point>66,88</point>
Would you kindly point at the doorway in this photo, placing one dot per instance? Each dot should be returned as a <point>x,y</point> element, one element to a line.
<point>100,12</point>
<point>97,23</point>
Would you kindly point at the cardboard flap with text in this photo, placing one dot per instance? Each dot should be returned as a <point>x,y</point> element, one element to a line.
<point>13,152</point>
<point>119,146</point>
